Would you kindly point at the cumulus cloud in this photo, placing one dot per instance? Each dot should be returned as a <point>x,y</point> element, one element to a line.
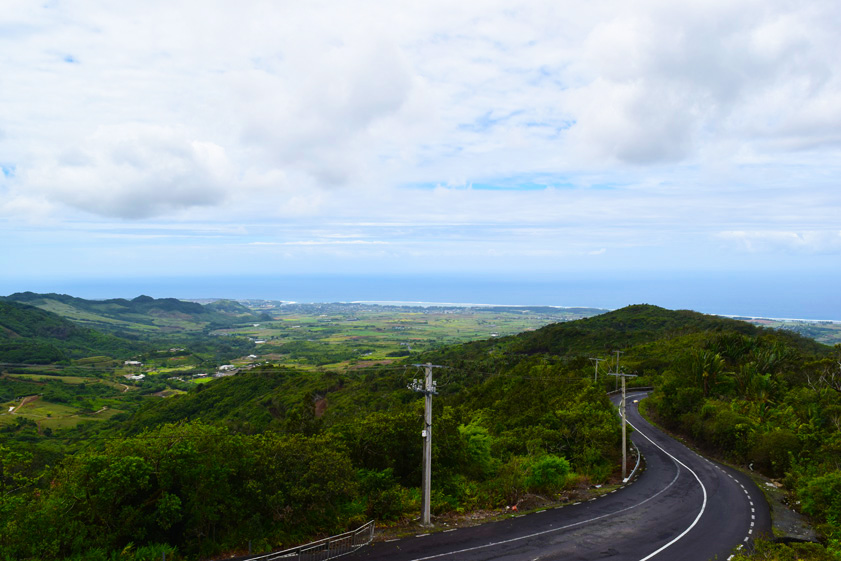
<point>134,171</point>
<point>294,111</point>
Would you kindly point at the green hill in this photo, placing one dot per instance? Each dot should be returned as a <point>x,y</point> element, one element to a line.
<point>34,336</point>
<point>652,339</point>
<point>638,331</point>
<point>143,315</point>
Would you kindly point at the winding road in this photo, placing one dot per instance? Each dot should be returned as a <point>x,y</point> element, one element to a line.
<point>681,507</point>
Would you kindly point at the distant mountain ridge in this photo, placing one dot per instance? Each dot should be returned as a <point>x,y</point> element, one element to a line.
<point>141,315</point>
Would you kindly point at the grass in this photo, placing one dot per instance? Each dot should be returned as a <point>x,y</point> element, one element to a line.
<point>53,415</point>
<point>348,334</point>
<point>48,377</point>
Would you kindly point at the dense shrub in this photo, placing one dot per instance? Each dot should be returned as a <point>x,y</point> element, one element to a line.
<point>547,474</point>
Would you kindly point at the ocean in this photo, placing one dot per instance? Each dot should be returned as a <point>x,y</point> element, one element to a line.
<point>757,295</point>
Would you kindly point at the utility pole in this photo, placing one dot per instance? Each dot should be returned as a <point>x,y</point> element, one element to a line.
<point>624,418</point>
<point>428,388</point>
<point>617,367</point>
<point>596,361</point>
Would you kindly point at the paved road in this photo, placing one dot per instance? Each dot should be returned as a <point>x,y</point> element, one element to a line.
<point>681,507</point>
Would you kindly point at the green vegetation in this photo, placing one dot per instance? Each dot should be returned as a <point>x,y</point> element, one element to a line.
<point>759,399</point>
<point>317,430</point>
<point>340,336</point>
<point>30,335</point>
<point>142,316</point>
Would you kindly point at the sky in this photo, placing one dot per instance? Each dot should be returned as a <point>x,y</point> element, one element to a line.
<point>518,140</point>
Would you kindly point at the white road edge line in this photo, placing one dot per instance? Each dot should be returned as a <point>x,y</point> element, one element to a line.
<point>552,530</point>
<point>698,479</point>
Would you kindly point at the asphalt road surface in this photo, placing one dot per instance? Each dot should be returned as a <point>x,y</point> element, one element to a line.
<point>681,507</point>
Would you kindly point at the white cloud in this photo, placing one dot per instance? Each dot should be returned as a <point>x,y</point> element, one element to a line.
<point>654,124</point>
<point>804,242</point>
<point>134,171</point>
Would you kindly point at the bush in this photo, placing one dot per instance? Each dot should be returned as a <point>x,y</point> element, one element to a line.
<point>774,450</point>
<point>547,474</point>
<point>821,497</point>
<point>384,498</point>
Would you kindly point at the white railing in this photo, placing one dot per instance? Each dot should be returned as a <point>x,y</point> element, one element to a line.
<point>328,548</point>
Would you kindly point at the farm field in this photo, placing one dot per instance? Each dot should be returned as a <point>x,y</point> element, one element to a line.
<point>339,337</point>
<point>826,332</point>
<point>49,415</point>
<point>345,336</point>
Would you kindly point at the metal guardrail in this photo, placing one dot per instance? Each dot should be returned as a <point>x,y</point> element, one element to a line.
<point>328,548</point>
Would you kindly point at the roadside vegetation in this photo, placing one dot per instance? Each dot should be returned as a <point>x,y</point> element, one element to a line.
<point>317,432</point>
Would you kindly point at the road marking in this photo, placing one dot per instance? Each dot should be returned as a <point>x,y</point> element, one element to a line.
<point>421,535</point>
<point>552,530</point>
<point>450,530</point>
<point>698,479</point>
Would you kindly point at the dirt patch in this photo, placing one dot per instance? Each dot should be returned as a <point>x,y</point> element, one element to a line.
<point>24,401</point>
<point>320,407</point>
<point>369,363</point>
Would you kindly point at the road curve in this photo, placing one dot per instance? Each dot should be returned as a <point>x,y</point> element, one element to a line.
<point>681,507</point>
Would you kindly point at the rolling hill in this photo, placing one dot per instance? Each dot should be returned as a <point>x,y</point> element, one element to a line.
<point>142,316</point>
<point>34,336</point>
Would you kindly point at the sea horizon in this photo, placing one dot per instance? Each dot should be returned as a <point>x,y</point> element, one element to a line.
<point>743,295</point>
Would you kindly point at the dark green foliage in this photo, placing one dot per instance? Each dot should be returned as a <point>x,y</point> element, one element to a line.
<point>821,497</point>
<point>32,336</point>
<point>197,487</point>
<point>775,450</point>
<point>767,399</point>
<point>384,498</point>
<point>276,455</point>
<point>547,474</point>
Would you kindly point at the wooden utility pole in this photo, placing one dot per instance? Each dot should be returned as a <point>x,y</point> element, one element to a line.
<point>617,367</point>
<point>596,361</point>
<point>429,388</point>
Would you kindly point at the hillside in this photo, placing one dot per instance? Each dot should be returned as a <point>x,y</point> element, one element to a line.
<point>638,331</point>
<point>514,417</point>
<point>653,339</point>
<point>142,316</point>
<point>34,336</point>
